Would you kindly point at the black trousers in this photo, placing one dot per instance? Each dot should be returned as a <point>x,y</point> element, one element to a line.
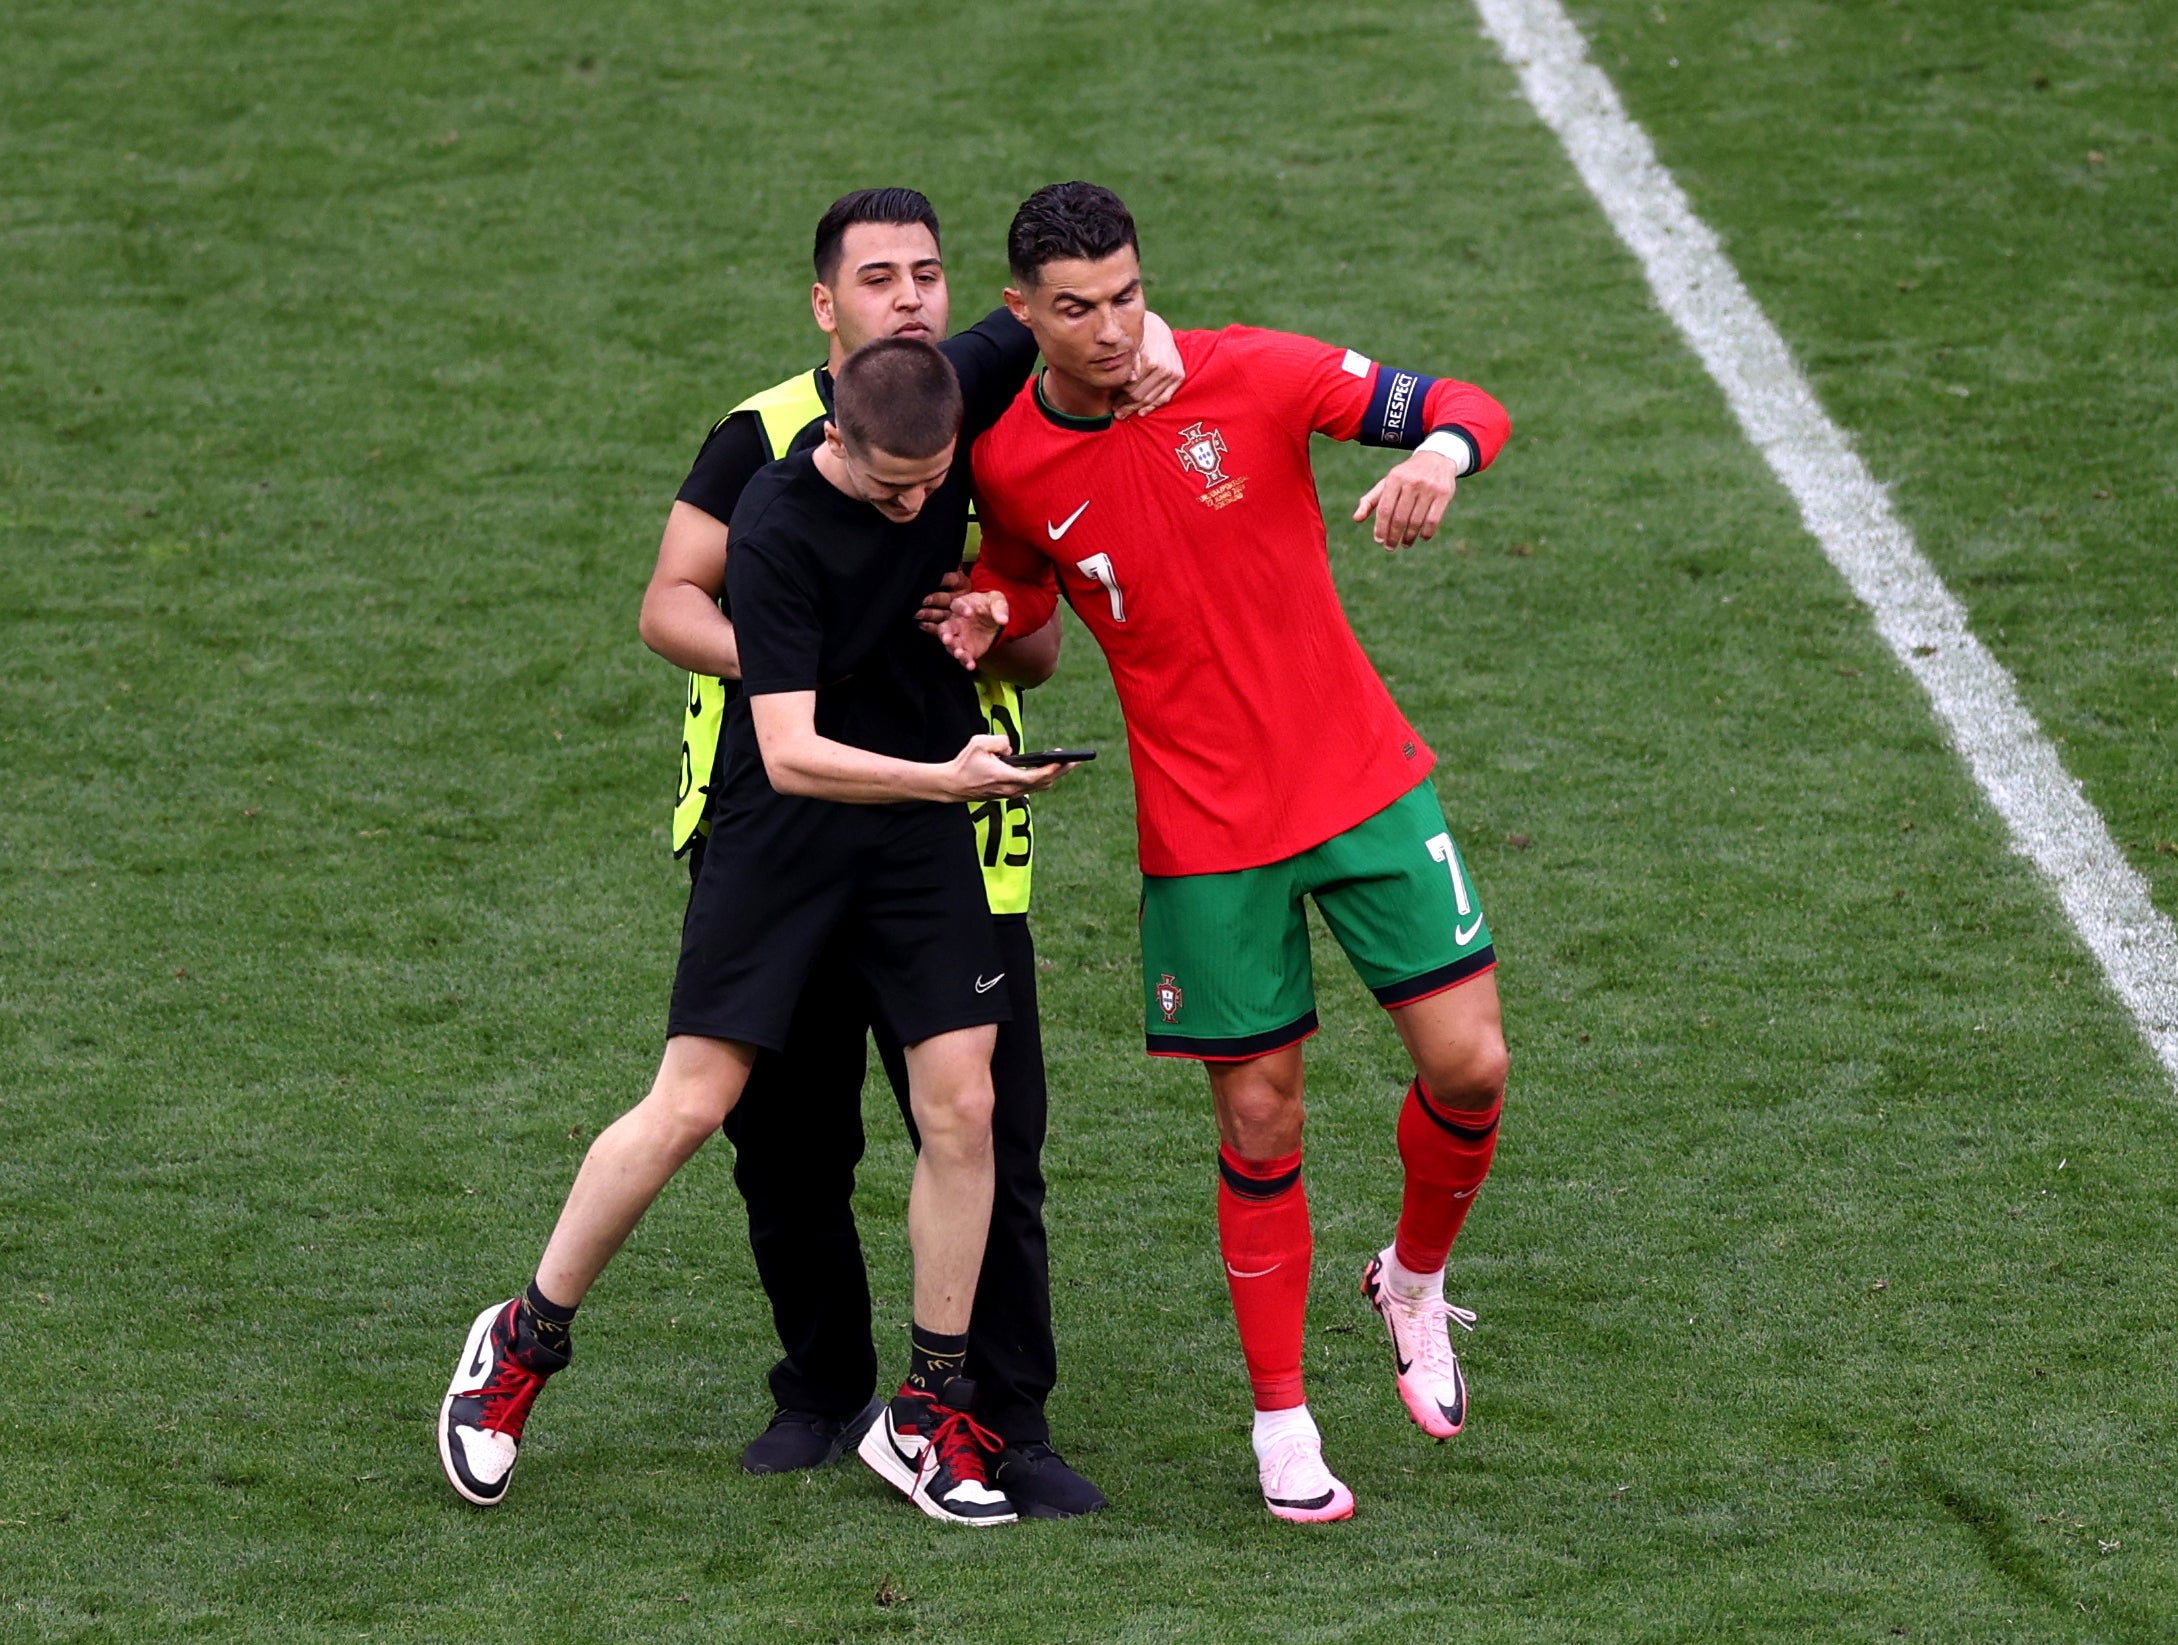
<point>797,1136</point>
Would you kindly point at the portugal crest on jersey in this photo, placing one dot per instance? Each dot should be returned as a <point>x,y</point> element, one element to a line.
<point>1202,453</point>
<point>1169,997</point>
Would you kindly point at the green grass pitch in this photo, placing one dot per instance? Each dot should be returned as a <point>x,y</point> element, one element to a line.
<point>350,355</point>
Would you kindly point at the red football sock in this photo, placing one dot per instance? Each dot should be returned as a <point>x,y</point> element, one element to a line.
<point>1446,1155</point>
<point>1264,1234</point>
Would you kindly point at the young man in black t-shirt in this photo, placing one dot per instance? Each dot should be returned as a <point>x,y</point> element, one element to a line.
<point>797,1131</point>
<point>849,750</point>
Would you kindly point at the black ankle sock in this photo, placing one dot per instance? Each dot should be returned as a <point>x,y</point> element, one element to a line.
<point>541,1323</point>
<point>934,1359</point>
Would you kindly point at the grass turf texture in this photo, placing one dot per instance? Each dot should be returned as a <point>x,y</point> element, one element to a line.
<point>355,352</point>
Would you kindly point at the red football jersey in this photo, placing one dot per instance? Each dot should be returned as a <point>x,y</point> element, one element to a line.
<point>1191,541</point>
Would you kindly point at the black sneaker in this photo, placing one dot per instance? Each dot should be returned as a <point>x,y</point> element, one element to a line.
<point>1041,1484</point>
<point>805,1439</point>
<point>487,1404</point>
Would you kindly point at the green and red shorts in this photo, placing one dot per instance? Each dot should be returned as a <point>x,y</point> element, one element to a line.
<point>1225,964</point>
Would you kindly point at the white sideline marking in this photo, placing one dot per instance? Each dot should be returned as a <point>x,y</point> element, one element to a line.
<point>2051,821</point>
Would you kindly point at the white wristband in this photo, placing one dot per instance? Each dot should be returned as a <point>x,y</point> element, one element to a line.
<point>1451,443</point>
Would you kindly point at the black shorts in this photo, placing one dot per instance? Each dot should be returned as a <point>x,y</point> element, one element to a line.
<point>898,886</point>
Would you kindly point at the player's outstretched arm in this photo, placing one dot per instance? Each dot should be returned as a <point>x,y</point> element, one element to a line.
<point>1410,501</point>
<point>681,620</point>
<point>1452,428</point>
<point>799,760</point>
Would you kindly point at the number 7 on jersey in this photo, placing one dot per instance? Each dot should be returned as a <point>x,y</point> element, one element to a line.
<point>1098,568</point>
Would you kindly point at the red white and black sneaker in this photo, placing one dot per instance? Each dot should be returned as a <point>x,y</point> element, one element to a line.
<point>486,1405</point>
<point>929,1448</point>
<point>1431,1384</point>
<point>894,1444</point>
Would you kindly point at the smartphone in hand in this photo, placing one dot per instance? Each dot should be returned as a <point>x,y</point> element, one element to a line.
<point>1050,756</point>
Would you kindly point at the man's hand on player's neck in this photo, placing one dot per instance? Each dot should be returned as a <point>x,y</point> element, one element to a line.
<point>1158,371</point>
<point>1088,320</point>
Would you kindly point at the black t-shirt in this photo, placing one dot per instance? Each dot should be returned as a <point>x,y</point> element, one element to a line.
<point>823,591</point>
<point>992,359</point>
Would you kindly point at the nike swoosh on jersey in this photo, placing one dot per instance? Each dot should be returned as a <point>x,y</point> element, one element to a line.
<point>1463,935</point>
<point>1058,531</point>
<point>1258,1274</point>
<point>983,987</point>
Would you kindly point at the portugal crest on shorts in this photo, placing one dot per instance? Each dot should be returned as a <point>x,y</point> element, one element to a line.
<point>1169,997</point>
<point>1202,451</point>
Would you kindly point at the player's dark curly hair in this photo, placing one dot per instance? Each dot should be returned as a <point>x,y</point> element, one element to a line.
<point>897,395</point>
<point>891,206</point>
<point>1067,220</point>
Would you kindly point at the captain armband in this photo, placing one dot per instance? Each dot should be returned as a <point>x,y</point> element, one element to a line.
<point>1394,417</point>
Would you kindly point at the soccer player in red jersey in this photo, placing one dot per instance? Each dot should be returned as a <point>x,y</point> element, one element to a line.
<point>1270,764</point>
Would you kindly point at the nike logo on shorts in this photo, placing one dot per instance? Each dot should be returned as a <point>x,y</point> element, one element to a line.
<point>983,987</point>
<point>1465,934</point>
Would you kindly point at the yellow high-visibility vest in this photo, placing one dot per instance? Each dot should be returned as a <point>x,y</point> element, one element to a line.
<point>782,411</point>
<point>1005,833</point>
<point>1005,836</point>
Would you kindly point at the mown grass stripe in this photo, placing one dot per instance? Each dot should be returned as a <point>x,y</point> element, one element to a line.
<point>2052,822</point>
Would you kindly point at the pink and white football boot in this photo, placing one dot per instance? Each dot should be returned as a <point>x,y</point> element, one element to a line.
<point>1289,1462</point>
<point>1430,1382</point>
